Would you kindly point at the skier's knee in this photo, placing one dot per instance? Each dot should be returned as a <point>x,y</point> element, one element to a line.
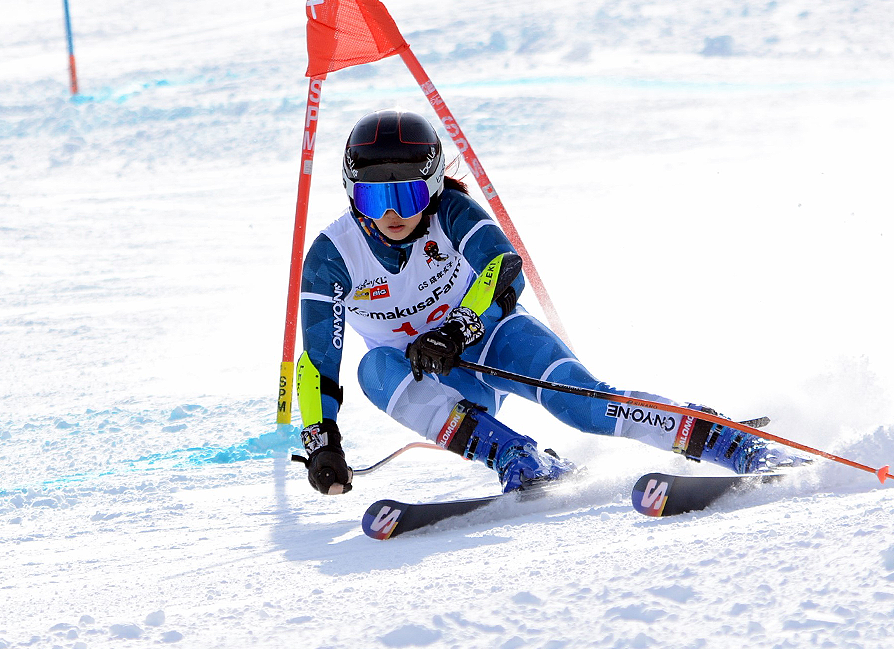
<point>380,367</point>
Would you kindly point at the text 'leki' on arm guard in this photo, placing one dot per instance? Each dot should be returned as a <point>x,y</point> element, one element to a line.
<point>494,284</point>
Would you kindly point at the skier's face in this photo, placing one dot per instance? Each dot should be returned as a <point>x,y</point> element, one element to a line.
<point>396,228</point>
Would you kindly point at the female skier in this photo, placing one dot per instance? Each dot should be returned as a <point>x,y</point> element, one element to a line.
<point>426,277</point>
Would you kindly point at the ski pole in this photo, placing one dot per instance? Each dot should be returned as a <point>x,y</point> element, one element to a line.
<point>882,473</point>
<point>383,461</point>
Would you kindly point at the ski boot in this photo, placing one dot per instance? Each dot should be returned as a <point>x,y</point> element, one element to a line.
<point>474,434</point>
<point>745,453</point>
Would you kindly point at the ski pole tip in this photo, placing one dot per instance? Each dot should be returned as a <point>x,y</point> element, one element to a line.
<point>883,474</point>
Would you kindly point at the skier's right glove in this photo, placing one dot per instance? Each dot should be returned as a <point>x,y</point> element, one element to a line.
<point>327,470</point>
<point>438,351</point>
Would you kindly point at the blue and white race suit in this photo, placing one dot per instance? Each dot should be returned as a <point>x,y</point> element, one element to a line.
<point>392,293</point>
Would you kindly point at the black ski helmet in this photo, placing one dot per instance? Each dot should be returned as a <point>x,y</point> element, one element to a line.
<point>394,146</point>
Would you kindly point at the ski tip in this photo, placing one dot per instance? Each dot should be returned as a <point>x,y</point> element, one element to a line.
<point>883,474</point>
<point>381,518</point>
<point>650,493</point>
<point>757,422</point>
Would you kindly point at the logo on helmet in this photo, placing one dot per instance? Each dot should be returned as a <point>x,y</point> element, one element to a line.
<point>429,160</point>
<point>349,162</point>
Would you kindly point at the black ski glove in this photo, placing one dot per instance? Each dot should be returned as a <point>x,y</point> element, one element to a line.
<point>438,351</point>
<point>327,470</point>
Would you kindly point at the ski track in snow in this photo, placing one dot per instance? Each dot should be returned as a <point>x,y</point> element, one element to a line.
<point>724,167</point>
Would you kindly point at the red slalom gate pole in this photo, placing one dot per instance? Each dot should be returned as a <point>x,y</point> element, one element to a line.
<point>881,473</point>
<point>453,129</point>
<point>287,366</point>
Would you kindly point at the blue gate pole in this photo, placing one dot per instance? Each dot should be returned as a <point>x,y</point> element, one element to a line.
<point>73,75</point>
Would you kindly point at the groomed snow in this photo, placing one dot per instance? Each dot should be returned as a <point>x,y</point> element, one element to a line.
<point>705,188</point>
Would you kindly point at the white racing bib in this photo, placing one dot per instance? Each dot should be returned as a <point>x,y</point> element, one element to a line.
<point>392,309</point>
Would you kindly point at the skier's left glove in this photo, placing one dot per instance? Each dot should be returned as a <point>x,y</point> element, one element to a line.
<point>327,470</point>
<point>438,351</point>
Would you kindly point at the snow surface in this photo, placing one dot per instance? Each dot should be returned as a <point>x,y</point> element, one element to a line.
<point>713,174</point>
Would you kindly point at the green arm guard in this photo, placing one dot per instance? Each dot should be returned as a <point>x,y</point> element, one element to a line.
<point>309,394</point>
<point>311,387</point>
<point>493,281</point>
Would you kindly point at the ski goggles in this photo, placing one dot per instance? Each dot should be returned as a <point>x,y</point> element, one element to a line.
<point>407,198</point>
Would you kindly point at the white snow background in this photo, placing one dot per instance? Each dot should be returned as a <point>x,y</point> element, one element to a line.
<point>705,186</point>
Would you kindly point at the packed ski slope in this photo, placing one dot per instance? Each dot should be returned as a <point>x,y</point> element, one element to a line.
<point>705,187</point>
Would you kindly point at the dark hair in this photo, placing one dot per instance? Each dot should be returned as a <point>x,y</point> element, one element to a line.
<point>452,183</point>
<point>449,183</point>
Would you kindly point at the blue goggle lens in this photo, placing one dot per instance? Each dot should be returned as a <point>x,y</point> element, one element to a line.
<point>407,198</point>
